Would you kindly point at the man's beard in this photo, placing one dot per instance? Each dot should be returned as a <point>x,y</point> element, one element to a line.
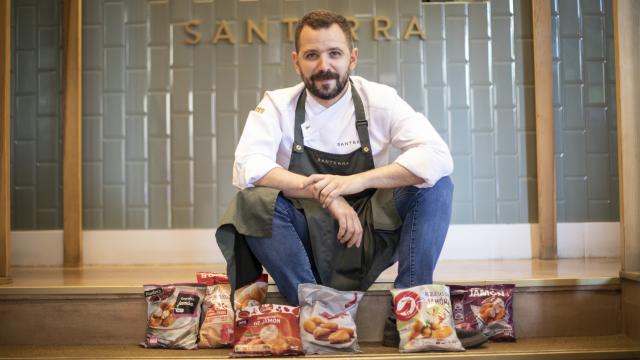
<point>326,94</point>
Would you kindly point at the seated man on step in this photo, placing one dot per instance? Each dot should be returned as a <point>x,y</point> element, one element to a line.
<point>320,202</point>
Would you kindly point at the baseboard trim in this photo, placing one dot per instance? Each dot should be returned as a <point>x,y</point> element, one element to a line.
<point>193,246</point>
<point>630,275</point>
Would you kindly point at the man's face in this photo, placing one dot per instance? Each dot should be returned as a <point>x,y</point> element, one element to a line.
<point>324,61</point>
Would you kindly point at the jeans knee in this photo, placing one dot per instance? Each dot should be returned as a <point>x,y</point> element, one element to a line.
<point>444,186</point>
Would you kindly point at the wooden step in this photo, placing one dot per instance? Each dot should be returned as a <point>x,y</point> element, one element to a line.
<point>565,348</point>
<point>109,316</point>
<point>105,306</point>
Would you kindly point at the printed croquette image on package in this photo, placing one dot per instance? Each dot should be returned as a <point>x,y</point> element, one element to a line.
<point>217,326</point>
<point>487,307</point>
<point>173,315</point>
<point>252,294</point>
<point>424,319</point>
<point>267,330</point>
<point>327,319</point>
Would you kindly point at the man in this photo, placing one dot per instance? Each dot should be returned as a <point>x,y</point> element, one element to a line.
<point>320,201</point>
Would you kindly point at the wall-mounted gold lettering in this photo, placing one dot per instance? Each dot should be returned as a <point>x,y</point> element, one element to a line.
<point>262,32</point>
<point>193,35</point>
<point>290,21</point>
<point>413,29</point>
<point>223,33</point>
<point>355,24</point>
<point>381,28</point>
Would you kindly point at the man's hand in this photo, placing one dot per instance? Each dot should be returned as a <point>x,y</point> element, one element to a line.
<point>350,232</point>
<point>326,188</point>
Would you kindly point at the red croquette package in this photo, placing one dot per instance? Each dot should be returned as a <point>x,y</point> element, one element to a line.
<point>487,307</point>
<point>216,329</point>
<point>267,330</point>
<point>173,315</point>
<point>252,294</point>
<point>328,319</point>
<point>424,319</point>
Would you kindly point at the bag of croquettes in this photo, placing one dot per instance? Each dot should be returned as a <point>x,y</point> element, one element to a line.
<point>424,319</point>
<point>328,319</point>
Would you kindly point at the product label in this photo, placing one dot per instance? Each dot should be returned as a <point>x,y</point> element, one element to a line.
<point>186,304</point>
<point>153,292</point>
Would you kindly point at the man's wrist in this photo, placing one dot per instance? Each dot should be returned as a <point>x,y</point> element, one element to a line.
<point>362,180</point>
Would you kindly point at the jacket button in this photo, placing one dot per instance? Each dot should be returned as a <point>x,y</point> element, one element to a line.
<point>298,147</point>
<point>365,149</point>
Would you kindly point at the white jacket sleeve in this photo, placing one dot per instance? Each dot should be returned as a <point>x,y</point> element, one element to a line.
<point>423,152</point>
<point>256,152</point>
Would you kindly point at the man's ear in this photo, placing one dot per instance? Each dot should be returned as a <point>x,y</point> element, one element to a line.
<point>294,60</point>
<point>353,59</point>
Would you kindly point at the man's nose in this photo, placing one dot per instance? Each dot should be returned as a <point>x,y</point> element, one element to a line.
<point>323,63</point>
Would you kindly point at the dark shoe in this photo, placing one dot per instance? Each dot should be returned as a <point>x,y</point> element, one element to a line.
<point>471,338</point>
<point>390,336</point>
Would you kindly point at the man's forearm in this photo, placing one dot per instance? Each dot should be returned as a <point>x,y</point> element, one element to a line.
<point>287,181</point>
<point>388,176</point>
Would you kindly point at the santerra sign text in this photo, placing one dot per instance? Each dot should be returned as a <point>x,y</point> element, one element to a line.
<point>381,25</point>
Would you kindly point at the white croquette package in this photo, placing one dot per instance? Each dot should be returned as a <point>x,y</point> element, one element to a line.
<point>173,315</point>
<point>328,319</point>
<point>217,326</point>
<point>424,319</point>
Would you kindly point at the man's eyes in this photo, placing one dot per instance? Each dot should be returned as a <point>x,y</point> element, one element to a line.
<point>334,54</point>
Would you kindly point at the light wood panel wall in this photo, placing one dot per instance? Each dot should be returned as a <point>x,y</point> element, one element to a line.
<point>627,54</point>
<point>546,165</point>
<point>72,161</point>
<point>5,141</point>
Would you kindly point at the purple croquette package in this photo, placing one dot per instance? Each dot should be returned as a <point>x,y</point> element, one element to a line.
<point>487,307</point>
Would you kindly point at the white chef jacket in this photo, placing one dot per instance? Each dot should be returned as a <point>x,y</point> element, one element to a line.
<point>268,135</point>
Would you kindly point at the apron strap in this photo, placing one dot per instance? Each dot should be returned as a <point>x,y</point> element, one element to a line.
<point>298,137</point>
<point>362,125</point>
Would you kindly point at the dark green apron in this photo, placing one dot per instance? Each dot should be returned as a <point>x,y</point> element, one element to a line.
<point>251,212</point>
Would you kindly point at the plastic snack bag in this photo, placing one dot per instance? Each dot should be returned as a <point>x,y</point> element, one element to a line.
<point>327,319</point>
<point>217,327</point>
<point>173,315</point>
<point>424,319</point>
<point>267,330</point>
<point>253,294</point>
<point>487,307</point>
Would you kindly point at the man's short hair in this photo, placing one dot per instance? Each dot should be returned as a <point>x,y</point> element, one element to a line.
<point>323,19</point>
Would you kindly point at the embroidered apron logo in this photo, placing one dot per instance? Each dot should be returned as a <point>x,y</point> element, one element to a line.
<point>332,162</point>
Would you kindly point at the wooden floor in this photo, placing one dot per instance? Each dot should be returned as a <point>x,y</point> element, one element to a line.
<point>129,279</point>
<point>585,347</point>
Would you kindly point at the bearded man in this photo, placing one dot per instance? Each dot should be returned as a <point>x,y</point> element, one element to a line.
<point>319,200</point>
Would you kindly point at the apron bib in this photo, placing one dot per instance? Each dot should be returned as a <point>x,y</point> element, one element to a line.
<point>339,267</point>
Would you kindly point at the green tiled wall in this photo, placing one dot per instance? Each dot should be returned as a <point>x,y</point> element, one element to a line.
<point>161,118</point>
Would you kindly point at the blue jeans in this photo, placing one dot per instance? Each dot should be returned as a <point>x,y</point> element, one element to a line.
<point>425,214</point>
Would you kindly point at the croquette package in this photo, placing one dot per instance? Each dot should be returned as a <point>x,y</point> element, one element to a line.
<point>424,319</point>
<point>327,319</point>
<point>173,315</point>
<point>217,326</point>
<point>488,308</point>
<point>267,330</point>
<point>252,294</point>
